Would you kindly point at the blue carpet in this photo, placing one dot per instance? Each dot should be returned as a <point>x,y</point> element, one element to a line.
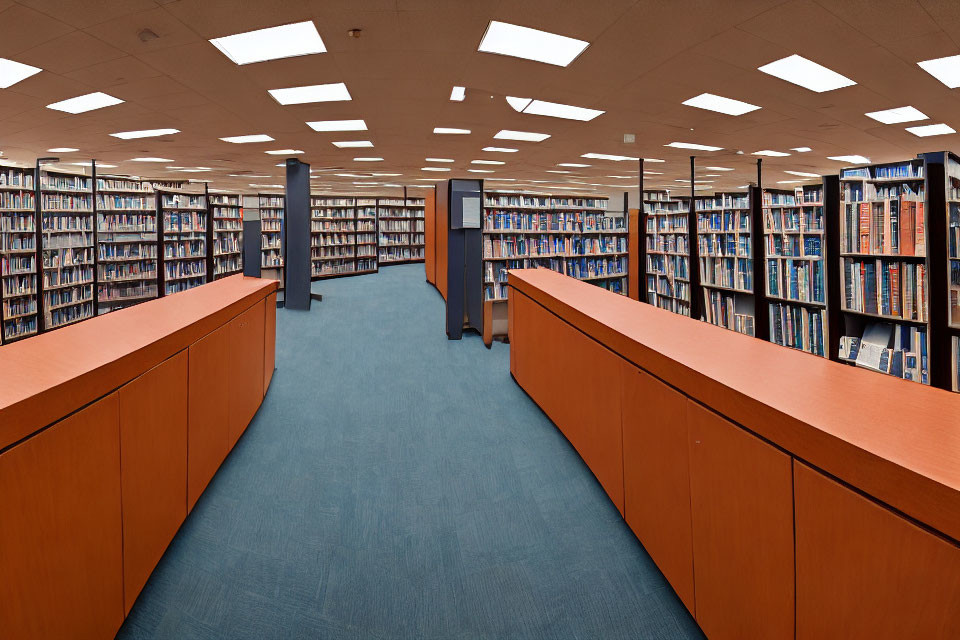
<point>399,485</point>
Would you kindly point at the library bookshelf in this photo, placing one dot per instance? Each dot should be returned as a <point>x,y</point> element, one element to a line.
<point>271,236</point>
<point>127,242</point>
<point>227,216</point>
<point>953,264</point>
<point>366,238</point>
<point>18,254</point>
<point>415,209</point>
<point>337,246</point>
<point>397,222</point>
<point>184,235</point>
<point>667,242</point>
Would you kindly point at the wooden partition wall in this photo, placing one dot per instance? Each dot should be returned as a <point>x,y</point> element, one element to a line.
<point>430,236</point>
<point>441,229</point>
<point>110,430</point>
<point>828,509</point>
<point>635,235</point>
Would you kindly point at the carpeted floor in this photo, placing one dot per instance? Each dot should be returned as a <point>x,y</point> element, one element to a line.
<point>399,485</point>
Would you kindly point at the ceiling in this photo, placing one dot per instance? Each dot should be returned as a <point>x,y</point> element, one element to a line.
<point>645,58</point>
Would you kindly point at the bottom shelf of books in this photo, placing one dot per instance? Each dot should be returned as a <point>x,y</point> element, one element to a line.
<point>899,350</point>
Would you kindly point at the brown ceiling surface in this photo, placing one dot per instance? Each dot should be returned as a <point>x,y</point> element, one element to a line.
<point>645,58</point>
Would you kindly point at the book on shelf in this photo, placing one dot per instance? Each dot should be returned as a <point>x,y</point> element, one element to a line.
<point>226,212</point>
<point>897,350</point>
<point>667,244</point>
<point>18,258</point>
<point>725,245</point>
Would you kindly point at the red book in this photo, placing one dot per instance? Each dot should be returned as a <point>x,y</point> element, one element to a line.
<point>864,228</point>
<point>919,234</point>
<point>895,289</point>
<point>908,216</point>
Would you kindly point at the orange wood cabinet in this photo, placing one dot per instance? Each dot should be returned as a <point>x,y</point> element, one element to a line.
<point>865,572</point>
<point>246,362</point>
<point>61,553</point>
<point>635,235</point>
<point>430,236</point>
<point>153,463</point>
<point>269,339</point>
<point>208,440</point>
<point>656,476</point>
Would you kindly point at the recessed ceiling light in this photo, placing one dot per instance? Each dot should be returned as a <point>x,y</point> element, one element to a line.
<point>84,103</point>
<point>392,175</point>
<point>486,162</point>
<point>553,109</point>
<point>606,156</point>
<point>350,175</point>
<point>652,173</point>
<point>439,159</point>
<point>946,70</point>
<point>368,159</point>
<point>451,130</point>
<point>500,149</point>
<point>526,136</point>
<point>576,165</point>
<point>931,130</point>
<point>691,145</point>
<point>100,165</point>
<point>146,133</point>
<point>803,174</point>
<point>12,72</point>
<point>851,159</point>
<point>458,94</point>
<point>712,102</point>
<point>365,183</point>
<point>350,144</point>
<point>801,149</point>
<point>334,92</point>
<point>285,152</point>
<point>62,150</point>
<point>530,44</point>
<point>518,104</point>
<point>267,186</point>
<point>712,175</point>
<point>557,171</point>
<point>898,115</point>
<point>772,154</point>
<point>807,74</point>
<point>653,160</point>
<point>434,169</point>
<point>273,43</point>
<point>479,170</point>
<point>719,168</point>
<point>258,137</point>
<point>338,125</point>
<point>622,177</point>
<point>148,159</point>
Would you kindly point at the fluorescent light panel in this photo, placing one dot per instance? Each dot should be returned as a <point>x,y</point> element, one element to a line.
<point>352,144</point>
<point>525,136</point>
<point>434,169</point>
<point>807,74</point>
<point>728,106</point>
<point>285,152</point>
<point>692,145</point>
<point>557,110</point>
<point>946,70</point>
<point>257,137</point>
<point>803,174</point>
<point>898,115</point>
<point>84,103</point>
<point>719,168</point>
<point>12,72</point>
<point>273,43</point>
<point>606,156</point>
<point>479,170</point>
<point>499,150</point>
<point>150,159</point>
<point>62,150</point>
<point>146,133</point>
<point>334,92</point>
<point>368,159</point>
<point>854,159</point>
<point>439,159</point>
<point>575,165</point>
<point>451,131</point>
<point>458,94</point>
<point>931,130</point>
<point>772,154</point>
<point>530,44</point>
<point>486,162</point>
<point>338,125</point>
<point>801,149</point>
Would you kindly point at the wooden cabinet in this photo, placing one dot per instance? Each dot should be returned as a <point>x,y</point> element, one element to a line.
<point>656,476</point>
<point>153,454</point>
<point>246,365</point>
<point>61,551</point>
<point>269,339</point>
<point>741,491</point>
<point>864,571</point>
<point>209,406</point>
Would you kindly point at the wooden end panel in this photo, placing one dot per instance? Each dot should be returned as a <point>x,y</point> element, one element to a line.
<point>865,572</point>
<point>442,230</point>
<point>153,455</point>
<point>656,476</point>
<point>634,237</point>
<point>742,512</point>
<point>269,339</point>
<point>488,322</point>
<point>209,406</point>
<point>61,552</point>
<point>430,236</point>
<point>246,366</point>
<point>513,334</point>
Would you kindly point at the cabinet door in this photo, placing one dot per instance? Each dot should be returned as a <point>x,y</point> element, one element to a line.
<point>269,339</point>
<point>209,410</point>
<point>865,572</point>
<point>656,476</point>
<point>61,551</point>
<point>742,506</point>
<point>153,454</point>
<point>246,366</point>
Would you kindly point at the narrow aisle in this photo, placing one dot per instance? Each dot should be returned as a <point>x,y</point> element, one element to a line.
<point>399,485</point>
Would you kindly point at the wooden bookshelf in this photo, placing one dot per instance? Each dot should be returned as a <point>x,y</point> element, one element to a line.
<point>271,236</point>
<point>227,216</point>
<point>127,261</point>
<point>67,247</point>
<point>725,250</point>
<point>18,254</point>
<point>415,209</point>
<point>794,234</point>
<point>184,258</point>
<point>366,240</point>
<point>667,250</point>
<point>333,236</point>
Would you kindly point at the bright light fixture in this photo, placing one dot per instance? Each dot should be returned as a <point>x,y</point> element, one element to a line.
<point>898,115</point>
<point>803,174</point>
<point>530,44</point>
<point>719,168</point>
<point>946,70</point>
<point>62,150</point>
<point>622,177</point>
<point>350,144</point>
<point>451,130</point>
<point>267,186</point>
<point>712,102</point>
<point>285,152</point>
<point>334,92</point>
<point>439,159</point>
<point>479,170</point>
<point>553,109</point>
<point>486,162</point>
<point>257,137</point>
<point>149,159</point>
<point>576,165</point>
<point>458,94</point>
<point>801,149</point>
<point>100,165</point>
<point>272,43</point>
<point>790,181</point>
<point>557,171</point>
<point>931,130</point>
<point>368,159</point>
<point>525,136</point>
<point>691,145</point>
<point>12,72</point>
<point>338,125</point>
<point>146,133</point>
<point>772,154</point>
<point>187,170</point>
<point>434,169</point>
<point>500,149</point>
<point>806,73</point>
<point>84,103</point>
<point>391,175</point>
<point>606,156</point>
<point>518,104</point>
<point>653,173</point>
<point>653,160</point>
<point>850,159</point>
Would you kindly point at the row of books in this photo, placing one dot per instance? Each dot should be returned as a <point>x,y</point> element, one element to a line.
<point>890,227</point>
<point>507,246</point>
<point>528,201</point>
<point>799,280</point>
<point>669,265</point>
<point>724,245</point>
<point>897,350</point>
<point>724,221</point>
<point>797,327</point>
<point>794,246</point>
<point>723,309</point>
<point>886,287</point>
<point>573,222</point>
<point>799,220</point>
<point>731,273</point>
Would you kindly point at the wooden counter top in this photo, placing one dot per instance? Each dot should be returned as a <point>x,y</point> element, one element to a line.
<point>894,440</point>
<point>44,378</point>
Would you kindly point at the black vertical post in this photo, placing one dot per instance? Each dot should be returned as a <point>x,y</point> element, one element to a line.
<point>161,255</point>
<point>297,266</point>
<point>641,239</point>
<point>935,165</point>
<point>208,234</point>
<point>834,292</point>
<point>252,237</point>
<point>693,241</point>
<point>38,229</point>
<point>761,320</point>
<point>96,237</point>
